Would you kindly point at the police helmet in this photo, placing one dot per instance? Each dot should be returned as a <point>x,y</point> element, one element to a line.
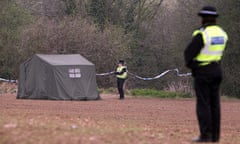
<point>208,11</point>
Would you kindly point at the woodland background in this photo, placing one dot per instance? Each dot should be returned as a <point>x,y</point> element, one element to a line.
<point>150,35</point>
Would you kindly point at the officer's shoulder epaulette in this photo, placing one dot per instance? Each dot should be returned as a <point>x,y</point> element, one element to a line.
<point>198,31</point>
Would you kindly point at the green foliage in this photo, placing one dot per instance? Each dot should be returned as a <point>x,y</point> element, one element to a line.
<point>130,16</point>
<point>107,91</point>
<point>158,94</point>
<point>231,82</point>
<point>98,12</point>
<point>12,20</point>
<point>70,7</point>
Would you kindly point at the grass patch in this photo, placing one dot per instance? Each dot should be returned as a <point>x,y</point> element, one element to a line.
<point>107,91</point>
<point>157,93</point>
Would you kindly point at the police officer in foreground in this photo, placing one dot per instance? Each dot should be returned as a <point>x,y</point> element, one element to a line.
<point>121,74</point>
<point>203,56</point>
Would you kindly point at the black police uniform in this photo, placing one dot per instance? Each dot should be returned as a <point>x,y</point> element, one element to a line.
<point>120,82</point>
<point>207,80</point>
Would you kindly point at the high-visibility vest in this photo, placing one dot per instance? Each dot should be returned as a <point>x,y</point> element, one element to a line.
<point>214,39</point>
<point>124,75</point>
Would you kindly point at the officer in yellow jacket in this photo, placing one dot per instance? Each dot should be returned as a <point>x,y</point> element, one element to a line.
<point>121,74</point>
<point>203,56</point>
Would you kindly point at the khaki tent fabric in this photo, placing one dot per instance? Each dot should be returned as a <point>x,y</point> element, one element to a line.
<point>57,77</point>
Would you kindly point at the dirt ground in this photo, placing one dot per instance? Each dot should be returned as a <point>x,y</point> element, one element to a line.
<point>108,121</point>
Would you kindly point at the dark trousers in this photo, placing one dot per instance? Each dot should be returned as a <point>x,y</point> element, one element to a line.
<point>208,105</point>
<point>120,83</point>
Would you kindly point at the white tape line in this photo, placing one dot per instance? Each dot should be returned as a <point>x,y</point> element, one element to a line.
<point>150,78</point>
<point>105,74</point>
<point>160,75</point>
<point>5,80</point>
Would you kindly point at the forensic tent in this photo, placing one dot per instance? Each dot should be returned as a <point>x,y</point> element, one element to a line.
<point>57,77</point>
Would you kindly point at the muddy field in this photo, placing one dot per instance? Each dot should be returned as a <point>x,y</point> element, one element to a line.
<point>108,121</point>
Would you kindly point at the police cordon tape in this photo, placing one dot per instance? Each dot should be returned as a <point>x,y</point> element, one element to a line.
<point>105,74</point>
<point>6,80</point>
<point>152,78</point>
<point>131,74</point>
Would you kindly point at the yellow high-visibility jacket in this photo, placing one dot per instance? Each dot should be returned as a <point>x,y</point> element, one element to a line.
<point>214,39</point>
<point>123,75</point>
